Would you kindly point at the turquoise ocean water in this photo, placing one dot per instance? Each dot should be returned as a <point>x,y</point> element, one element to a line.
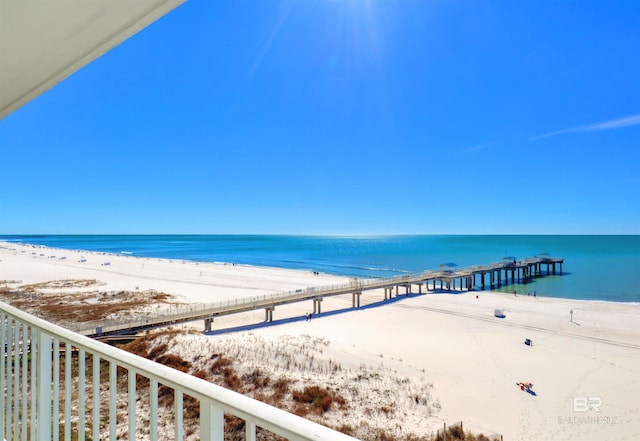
<point>596,267</point>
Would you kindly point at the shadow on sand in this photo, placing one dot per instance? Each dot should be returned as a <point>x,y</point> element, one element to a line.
<point>321,315</point>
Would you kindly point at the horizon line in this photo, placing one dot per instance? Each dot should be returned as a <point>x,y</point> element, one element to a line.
<point>337,235</point>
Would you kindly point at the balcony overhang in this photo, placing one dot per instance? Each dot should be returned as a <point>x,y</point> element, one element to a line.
<point>43,41</point>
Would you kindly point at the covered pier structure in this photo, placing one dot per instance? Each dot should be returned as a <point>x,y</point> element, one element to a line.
<point>480,277</point>
<point>494,275</point>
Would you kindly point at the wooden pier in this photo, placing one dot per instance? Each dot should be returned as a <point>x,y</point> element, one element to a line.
<point>480,277</point>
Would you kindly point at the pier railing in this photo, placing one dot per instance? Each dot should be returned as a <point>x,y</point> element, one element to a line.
<point>178,313</point>
<point>57,383</point>
<point>189,312</point>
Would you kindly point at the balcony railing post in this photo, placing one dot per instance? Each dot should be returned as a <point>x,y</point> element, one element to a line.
<point>25,379</point>
<point>56,388</point>
<point>131,407</point>
<point>211,422</point>
<point>3,345</point>
<point>96,396</point>
<point>44,342</point>
<point>10,356</point>
<point>16,381</point>
<point>113,397</point>
<point>67,390</point>
<point>179,414</point>
<point>153,411</point>
<point>82,390</point>
<point>250,432</point>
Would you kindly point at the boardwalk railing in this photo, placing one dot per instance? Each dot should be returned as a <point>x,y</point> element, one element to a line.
<point>48,397</point>
<point>184,313</point>
<point>176,313</point>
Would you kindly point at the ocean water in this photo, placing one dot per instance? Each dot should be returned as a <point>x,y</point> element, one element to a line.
<point>596,267</point>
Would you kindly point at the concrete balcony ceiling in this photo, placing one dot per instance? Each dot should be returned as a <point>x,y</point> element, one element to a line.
<point>44,41</point>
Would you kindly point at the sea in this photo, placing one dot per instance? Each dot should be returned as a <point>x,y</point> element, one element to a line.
<point>601,268</point>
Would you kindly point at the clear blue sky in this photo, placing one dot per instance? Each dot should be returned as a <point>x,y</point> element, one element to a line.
<point>341,117</point>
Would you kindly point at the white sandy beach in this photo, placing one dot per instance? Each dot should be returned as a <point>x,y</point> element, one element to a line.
<point>585,373</point>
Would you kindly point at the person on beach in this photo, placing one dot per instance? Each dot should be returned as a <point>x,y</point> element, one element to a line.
<point>524,386</point>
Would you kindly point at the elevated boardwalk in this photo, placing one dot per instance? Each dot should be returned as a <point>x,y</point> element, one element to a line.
<point>493,275</point>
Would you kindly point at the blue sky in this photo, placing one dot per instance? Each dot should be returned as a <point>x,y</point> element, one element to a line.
<point>341,117</point>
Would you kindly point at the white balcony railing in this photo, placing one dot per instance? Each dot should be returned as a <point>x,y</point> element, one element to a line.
<point>49,396</point>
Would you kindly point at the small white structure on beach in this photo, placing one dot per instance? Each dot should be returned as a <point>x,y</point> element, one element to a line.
<point>499,312</point>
